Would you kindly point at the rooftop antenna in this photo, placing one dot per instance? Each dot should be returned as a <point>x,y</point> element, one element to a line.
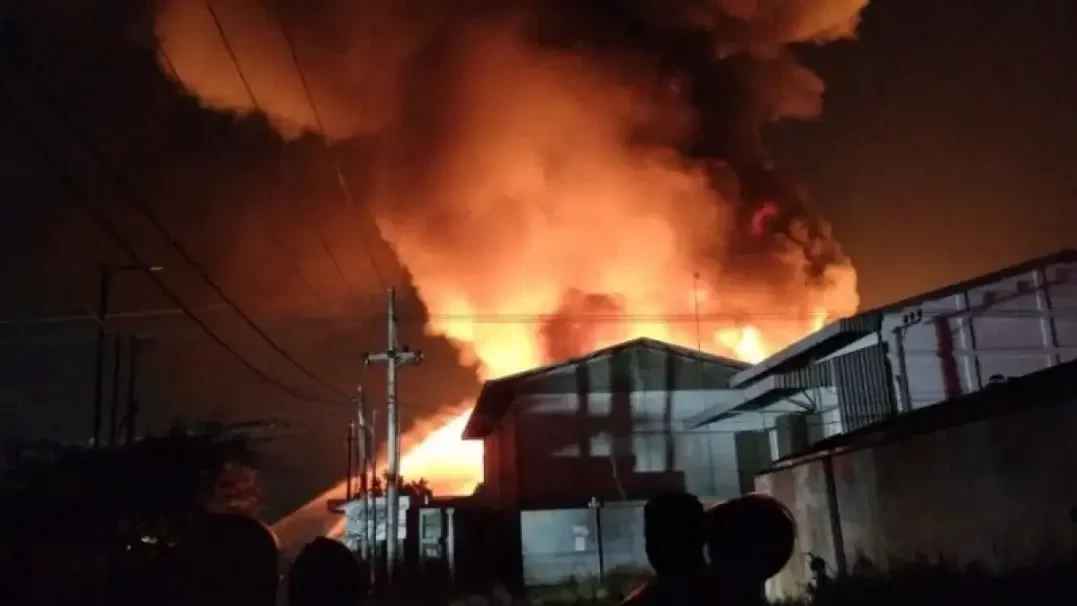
<point>695,300</point>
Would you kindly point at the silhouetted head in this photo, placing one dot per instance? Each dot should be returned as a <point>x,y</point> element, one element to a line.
<point>673,532</point>
<point>230,559</point>
<point>750,538</point>
<point>326,573</point>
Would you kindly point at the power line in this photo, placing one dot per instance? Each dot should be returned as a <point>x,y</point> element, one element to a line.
<point>113,234</point>
<point>275,232</point>
<point>167,235</point>
<point>257,106</point>
<point>538,318</point>
<point>341,181</point>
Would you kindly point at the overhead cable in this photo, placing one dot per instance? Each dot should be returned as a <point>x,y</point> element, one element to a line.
<point>136,201</point>
<point>110,230</point>
<point>257,106</point>
<point>334,160</point>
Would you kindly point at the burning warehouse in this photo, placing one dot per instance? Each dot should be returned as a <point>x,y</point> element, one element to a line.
<point>627,420</point>
<point>578,445</point>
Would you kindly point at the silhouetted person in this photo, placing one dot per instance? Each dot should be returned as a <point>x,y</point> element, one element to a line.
<point>820,579</point>
<point>749,539</point>
<point>228,560</point>
<point>326,573</point>
<point>673,535</point>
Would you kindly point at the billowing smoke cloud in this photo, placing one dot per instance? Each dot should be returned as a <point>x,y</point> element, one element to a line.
<point>521,153</point>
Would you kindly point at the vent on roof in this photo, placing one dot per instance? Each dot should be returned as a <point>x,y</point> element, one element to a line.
<point>990,297</point>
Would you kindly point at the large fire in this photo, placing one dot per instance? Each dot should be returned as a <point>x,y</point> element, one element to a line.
<point>555,176</point>
<point>454,466</point>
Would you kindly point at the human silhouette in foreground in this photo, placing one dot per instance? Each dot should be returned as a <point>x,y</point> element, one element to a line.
<point>749,540</point>
<point>326,573</point>
<point>673,534</point>
<point>229,560</point>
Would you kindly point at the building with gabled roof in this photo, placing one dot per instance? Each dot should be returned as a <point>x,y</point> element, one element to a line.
<point>612,425</point>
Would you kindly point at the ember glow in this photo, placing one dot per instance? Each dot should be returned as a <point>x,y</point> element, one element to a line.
<point>556,178</point>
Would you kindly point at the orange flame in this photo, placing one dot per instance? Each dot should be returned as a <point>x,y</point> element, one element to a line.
<point>539,197</point>
<point>454,466</point>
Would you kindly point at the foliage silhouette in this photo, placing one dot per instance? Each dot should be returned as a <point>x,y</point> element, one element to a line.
<point>90,514</point>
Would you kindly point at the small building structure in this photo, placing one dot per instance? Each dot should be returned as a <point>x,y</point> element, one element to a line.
<point>366,521</point>
<point>911,354</point>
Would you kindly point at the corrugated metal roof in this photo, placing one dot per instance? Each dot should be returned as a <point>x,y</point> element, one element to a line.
<point>769,390</point>
<point>845,331</point>
<point>1042,388</point>
<point>829,339</point>
<point>496,394</point>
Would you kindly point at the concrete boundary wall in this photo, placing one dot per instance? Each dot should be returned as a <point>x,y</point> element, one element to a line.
<point>1000,491</point>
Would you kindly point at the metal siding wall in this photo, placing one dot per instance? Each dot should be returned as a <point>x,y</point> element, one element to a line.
<point>709,462</point>
<point>552,441</point>
<point>623,550</point>
<point>558,546</point>
<point>1062,299</point>
<point>865,388</point>
<point>752,450</point>
<point>1013,326</point>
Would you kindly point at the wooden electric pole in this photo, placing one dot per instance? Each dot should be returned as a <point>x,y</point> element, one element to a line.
<point>393,358</point>
<point>114,405</point>
<point>133,405</point>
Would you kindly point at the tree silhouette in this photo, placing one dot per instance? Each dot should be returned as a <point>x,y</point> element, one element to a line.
<point>420,489</point>
<point>152,488</point>
<point>101,517</point>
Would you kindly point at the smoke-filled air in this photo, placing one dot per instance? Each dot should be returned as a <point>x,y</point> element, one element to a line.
<point>556,175</point>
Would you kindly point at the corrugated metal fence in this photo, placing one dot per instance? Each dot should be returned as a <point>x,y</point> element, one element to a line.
<point>583,544</point>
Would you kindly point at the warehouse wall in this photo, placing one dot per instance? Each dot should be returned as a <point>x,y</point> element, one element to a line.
<point>584,544</point>
<point>622,446</point>
<point>1000,491</point>
<point>1014,326</point>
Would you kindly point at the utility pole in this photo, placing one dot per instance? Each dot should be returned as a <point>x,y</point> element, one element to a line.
<point>104,278</point>
<point>363,451</point>
<point>132,393</point>
<point>114,405</point>
<point>362,446</point>
<point>375,552</point>
<point>104,284</point>
<point>393,358</point>
<point>361,457</point>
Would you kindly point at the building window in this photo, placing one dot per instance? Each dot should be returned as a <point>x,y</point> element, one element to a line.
<point>1024,286</point>
<point>990,297</point>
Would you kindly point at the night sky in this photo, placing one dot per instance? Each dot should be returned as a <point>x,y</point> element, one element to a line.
<point>947,145</point>
<point>945,150</point>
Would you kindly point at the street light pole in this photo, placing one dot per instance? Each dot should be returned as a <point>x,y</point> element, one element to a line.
<point>107,272</point>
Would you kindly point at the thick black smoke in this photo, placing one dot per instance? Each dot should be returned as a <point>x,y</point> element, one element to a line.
<point>466,131</point>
